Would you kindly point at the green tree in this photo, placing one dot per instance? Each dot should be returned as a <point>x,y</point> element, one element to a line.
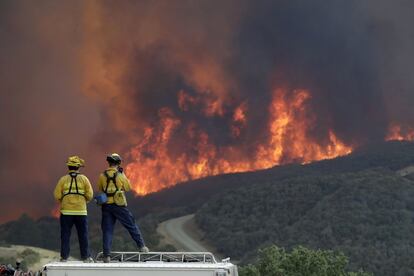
<point>275,261</point>
<point>29,257</point>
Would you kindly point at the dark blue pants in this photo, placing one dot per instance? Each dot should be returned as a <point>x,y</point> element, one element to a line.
<point>81,224</point>
<point>110,214</point>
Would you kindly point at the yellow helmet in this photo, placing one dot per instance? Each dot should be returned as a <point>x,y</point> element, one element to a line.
<point>75,161</point>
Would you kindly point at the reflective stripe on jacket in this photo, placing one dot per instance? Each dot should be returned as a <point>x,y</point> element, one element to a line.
<point>122,183</point>
<point>73,202</point>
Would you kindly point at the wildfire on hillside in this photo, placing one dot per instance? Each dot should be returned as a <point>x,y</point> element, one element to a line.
<point>400,133</point>
<point>156,166</point>
<point>188,89</point>
<point>184,97</point>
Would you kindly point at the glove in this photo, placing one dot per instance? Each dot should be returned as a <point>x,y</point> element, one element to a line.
<point>120,169</point>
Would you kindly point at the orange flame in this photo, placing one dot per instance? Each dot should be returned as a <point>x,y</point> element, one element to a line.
<point>289,139</point>
<point>239,120</point>
<point>400,133</point>
<point>156,166</point>
<point>55,212</point>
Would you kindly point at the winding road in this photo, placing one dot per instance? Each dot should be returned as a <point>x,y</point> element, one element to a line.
<point>176,232</point>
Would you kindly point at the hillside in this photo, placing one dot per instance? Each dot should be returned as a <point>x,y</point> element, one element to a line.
<point>367,214</point>
<point>189,196</point>
<point>32,257</point>
<point>357,203</point>
<point>45,233</point>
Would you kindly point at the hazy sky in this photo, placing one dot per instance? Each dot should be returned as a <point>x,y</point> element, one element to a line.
<point>88,77</point>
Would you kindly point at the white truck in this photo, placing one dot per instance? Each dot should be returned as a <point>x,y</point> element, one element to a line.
<point>146,264</point>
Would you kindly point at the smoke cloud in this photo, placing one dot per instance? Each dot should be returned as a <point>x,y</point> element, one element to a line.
<point>44,115</point>
<point>191,80</point>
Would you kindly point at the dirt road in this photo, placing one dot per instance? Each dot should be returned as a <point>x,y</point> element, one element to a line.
<point>179,232</point>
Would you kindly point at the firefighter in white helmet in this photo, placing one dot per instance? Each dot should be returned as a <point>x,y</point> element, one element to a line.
<point>113,183</point>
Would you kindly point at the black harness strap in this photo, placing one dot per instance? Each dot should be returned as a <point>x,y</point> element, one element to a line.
<point>73,176</point>
<point>108,180</point>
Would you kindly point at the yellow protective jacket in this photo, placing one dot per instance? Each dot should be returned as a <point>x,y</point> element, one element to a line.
<point>72,201</point>
<point>122,183</point>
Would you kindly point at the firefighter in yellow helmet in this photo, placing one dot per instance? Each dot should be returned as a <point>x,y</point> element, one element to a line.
<point>73,191</point>
<point>113,183</point>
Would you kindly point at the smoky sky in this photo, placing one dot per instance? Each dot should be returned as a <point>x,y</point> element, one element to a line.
<point>326,48</point>
<point>86,77</point>
<point>336,50</point>
<point>44,116</point>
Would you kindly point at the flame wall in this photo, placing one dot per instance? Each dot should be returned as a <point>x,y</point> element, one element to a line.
<point>185,89</point>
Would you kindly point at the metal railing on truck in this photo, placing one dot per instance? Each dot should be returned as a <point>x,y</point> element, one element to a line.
<point>170,257</point>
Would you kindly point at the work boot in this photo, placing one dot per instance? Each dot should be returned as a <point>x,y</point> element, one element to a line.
<point>88,260</point>
<point>107,259</point>
<point>144,249</point>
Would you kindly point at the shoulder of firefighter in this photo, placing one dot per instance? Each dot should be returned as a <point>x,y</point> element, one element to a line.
<point>73,191</point>
<point>122,183</point>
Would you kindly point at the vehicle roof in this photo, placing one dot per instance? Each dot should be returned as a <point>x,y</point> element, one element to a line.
<point>128,265</point>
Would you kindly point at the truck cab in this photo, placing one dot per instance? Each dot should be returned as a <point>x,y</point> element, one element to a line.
<point>146,264</point>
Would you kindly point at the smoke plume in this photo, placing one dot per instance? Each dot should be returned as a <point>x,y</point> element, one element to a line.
<point>186,89</point>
